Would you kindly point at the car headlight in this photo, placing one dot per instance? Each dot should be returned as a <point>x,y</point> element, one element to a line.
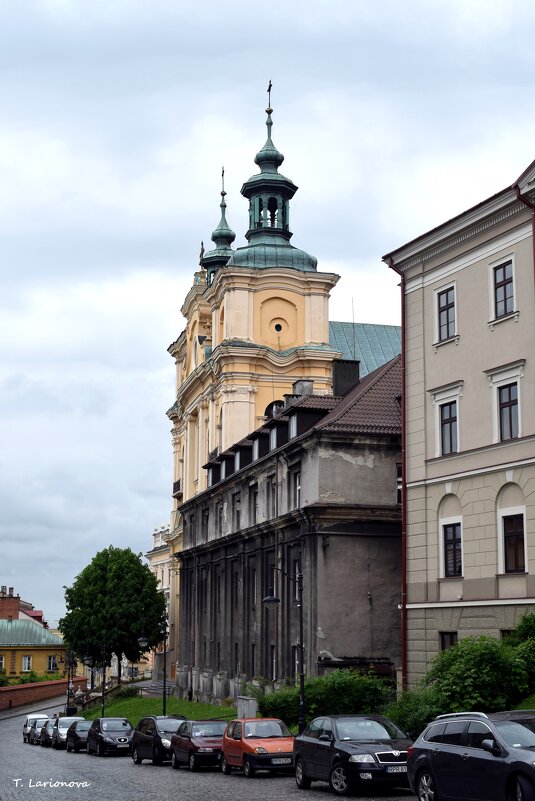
<point>205,750</point>
<point>166,743</point>
<point>62,735</point>
<point>361,758</point>
<point>108,739</point>
<point>260,750</point>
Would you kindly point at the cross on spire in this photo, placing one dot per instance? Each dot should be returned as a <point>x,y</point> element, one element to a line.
<point>269,96</point>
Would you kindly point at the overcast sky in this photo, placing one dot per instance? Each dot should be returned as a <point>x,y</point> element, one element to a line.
<point>115,120</point>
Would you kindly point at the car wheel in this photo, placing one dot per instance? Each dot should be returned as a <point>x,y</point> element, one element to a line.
<point>100,750</point>
<point>69,749</point>
<point>301,779</point>
<point>174,761</point>
<point>248,769</point>
<point>338,781</point>
<point>192,762</point>
<point>225,767</point>
<point>523,789</point>
<point>136,759</point>
<point>76,749</point>
<point>426,787</point>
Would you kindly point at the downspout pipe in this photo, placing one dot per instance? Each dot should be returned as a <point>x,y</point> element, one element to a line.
<point>389,260</point>
<point>530,206</point>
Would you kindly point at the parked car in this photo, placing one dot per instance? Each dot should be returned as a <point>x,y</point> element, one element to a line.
<point>77,735</point>
<point>46,733</point>
<point>198,744</point>
<point>152,738</point>
<point>59,732</point>
<point>34,732</point>
<point>351,752</point>
<point>28,722</point>
<point>110,735</point>
<point>485,757</point>
<point>256,744</point>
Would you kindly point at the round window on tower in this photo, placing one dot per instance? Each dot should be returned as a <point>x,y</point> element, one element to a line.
<point>278,326</point>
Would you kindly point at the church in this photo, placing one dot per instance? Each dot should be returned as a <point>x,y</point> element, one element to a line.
<point>286,431</point>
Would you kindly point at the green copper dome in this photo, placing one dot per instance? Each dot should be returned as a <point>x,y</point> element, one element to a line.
<point>222,237</point>
<point>269,194</point>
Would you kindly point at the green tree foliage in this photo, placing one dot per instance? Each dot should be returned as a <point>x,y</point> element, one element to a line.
<point>479,673</point>
<point>413,710</point>
<point>524,631</point>
<point>112,602</point>
<point>338,693</point>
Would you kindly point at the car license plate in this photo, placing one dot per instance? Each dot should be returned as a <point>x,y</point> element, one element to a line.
<point>397,769</point>
<point>281,761</point>
<point>122,745</point>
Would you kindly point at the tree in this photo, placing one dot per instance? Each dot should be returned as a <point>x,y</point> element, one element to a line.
<point>113,601</point>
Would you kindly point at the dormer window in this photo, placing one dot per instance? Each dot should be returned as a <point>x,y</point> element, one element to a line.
<point>273,439</point>
<point>293,426</point>
<point>256,449</point>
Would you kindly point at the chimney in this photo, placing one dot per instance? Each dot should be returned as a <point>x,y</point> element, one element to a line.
<point>303,387</point>
<point>3,590</point>
<point>345,375</point>
<point>11,592</point>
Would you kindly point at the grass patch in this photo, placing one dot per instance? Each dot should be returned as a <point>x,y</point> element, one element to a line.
<point>136,708</point>
<point>527,703</point>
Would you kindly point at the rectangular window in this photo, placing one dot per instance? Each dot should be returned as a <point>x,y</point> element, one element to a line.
<point>51,665</point>
<point>513,543</point>
<point>253,504</point>
<point>453,560</point>
<point>205,520</point>
<point>447,639</point>
<point>26,664</point>
<point>446,314</point>
<point>295,488</point>
<point>503,289</point>
<point>271,489</point>
<point>2,662</point>
<point>448,428</point>
<point>508,411</point>
<point>236,502</point>
<point>219,518</point>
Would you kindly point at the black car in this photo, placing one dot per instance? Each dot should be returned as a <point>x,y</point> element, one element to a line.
<point>77,735</point>
<point>484,757</point>
<point>351,752</point>
<point>110,736</point>
<point>198,744</point>
<point>34,732</point>
<point>152,738</point>
<point>46,733</point>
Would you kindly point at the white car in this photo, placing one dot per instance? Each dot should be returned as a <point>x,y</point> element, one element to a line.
<point>28,722</point>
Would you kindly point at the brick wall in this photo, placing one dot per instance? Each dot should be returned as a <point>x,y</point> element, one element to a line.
<point>24,694</point>
<point>9,607</point>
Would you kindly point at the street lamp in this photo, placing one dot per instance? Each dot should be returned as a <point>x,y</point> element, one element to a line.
<point>273,600</point>
<point>143,642</point>
<point>88,661</point>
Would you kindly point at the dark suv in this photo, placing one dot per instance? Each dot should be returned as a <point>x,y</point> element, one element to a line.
<point>473,755</point>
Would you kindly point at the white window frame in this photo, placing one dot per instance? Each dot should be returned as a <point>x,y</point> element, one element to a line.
<point>2,662</point>
<point>508,512</point>
<point>440,396</point>
<point>499,377</point>
<point>493,320</point>
<point>449,521</point>
<point>26,660</point>
<point>437,342</point>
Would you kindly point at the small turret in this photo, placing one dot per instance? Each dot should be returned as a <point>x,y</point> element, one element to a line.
<point>223,237</point>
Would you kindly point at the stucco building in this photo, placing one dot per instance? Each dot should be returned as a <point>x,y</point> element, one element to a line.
<point>314,489</point>
<point>257,320</point>
<point>469,389</point>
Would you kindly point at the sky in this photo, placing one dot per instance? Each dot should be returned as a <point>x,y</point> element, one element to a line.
<point>115,121</point>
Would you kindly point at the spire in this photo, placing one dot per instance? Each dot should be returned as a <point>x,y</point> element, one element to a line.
<point>269,159</point>
<point>223,237</point>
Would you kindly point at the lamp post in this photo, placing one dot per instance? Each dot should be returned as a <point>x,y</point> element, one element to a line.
<point>143,643</point>
<point>273,600</point>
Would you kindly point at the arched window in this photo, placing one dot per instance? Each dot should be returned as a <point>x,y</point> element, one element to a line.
<point>273,212</point>
<point>511,529</point>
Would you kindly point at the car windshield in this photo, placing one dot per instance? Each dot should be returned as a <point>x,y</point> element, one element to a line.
<point>266,728</point>
<point>367,729</point>
<point>40,723</point>
<point>64,723</point>
<point>83,725</point>
<point>168,726</point>
<point>116,725</point>
<point>50,724</point>
<point>210,728</point>
<point>517,733</point>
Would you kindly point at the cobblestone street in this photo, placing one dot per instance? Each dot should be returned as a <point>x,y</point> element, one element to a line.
<point>23,767</point>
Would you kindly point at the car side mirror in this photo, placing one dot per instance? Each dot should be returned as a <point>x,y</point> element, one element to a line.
<point>491,746</point>
<point>326,738</point>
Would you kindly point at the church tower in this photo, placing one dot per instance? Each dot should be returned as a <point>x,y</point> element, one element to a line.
<point>257,321</point>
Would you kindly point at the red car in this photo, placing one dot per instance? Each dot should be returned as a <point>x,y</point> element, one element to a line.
<point>197,743</point>
<point>257,744</point>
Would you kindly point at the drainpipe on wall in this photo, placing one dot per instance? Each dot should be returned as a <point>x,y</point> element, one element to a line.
<point>530,206</point>
<point>391,264</point>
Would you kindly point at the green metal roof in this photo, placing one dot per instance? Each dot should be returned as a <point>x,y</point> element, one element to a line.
<point>373,345</point>
<point>26,632</point>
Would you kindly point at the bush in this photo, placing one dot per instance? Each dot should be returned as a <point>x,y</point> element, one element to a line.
<point>525,651</point>
<point>126,692</point>
<point>479,673</point>
<point>414,709</point>
<point>524,631</point>
<point>341,692</point>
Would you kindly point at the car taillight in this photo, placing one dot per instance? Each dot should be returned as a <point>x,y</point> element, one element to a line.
<point>410,750</point>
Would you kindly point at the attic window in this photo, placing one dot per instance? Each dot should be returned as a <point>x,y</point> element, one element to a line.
<point>293,425</point>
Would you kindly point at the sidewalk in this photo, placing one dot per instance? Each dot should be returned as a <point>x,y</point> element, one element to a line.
<point>39,706</point>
